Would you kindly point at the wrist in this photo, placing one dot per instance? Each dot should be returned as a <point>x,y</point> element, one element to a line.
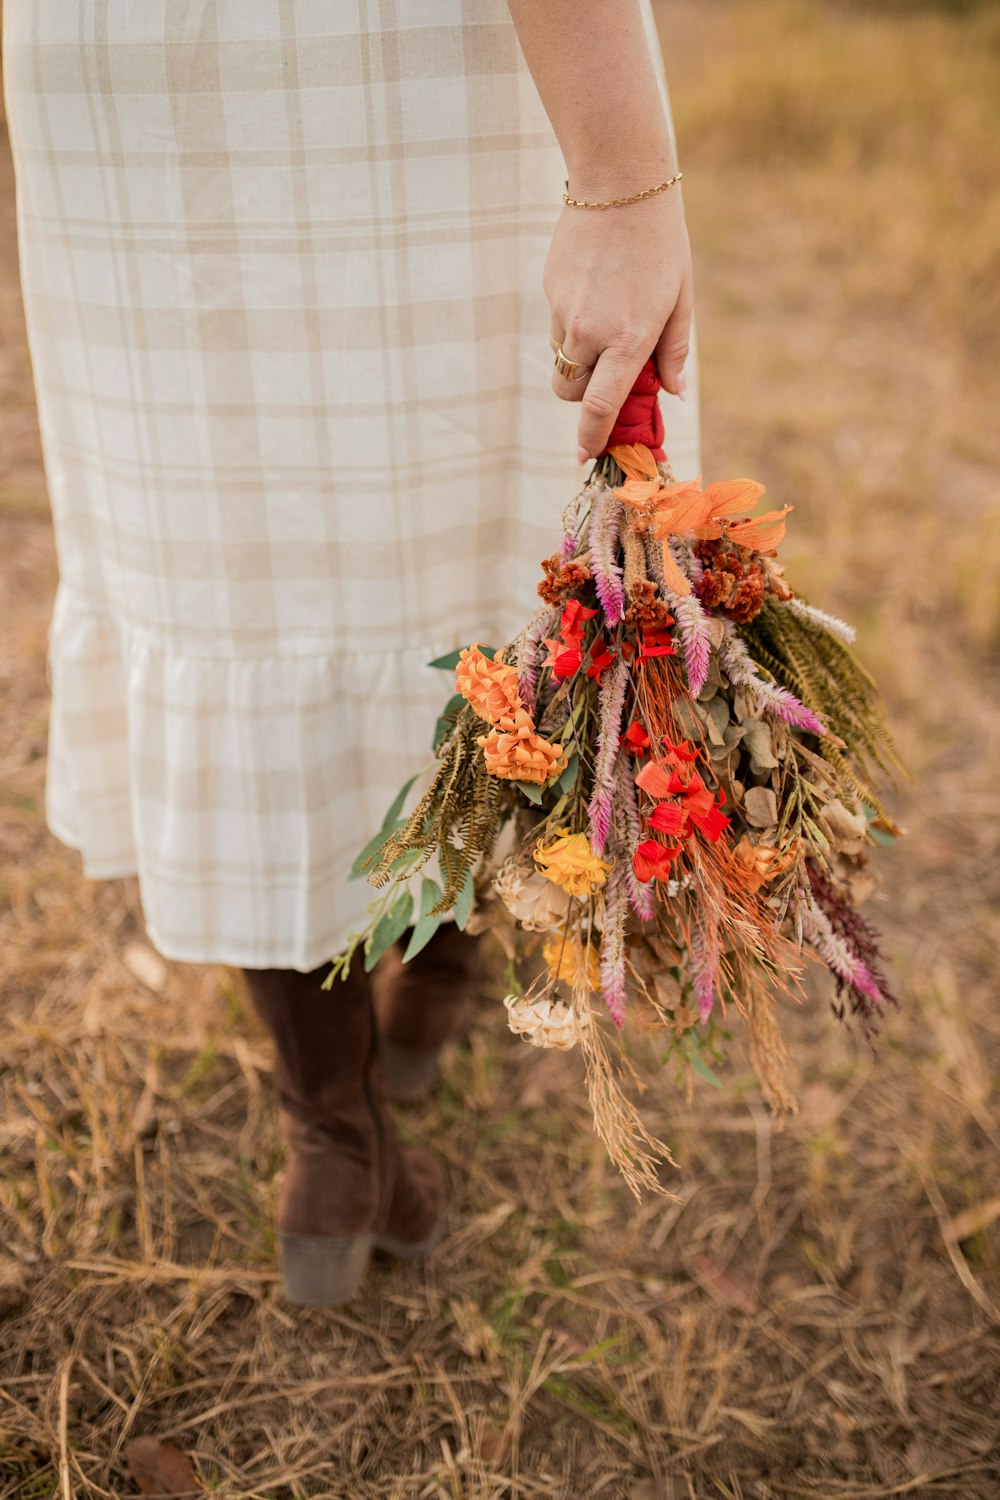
<point>602,181</point>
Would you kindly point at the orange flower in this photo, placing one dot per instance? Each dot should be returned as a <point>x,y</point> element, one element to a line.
<point>513,750</point>
<point>489,686</point>
<point>668,510</point>
<point>763,862</point>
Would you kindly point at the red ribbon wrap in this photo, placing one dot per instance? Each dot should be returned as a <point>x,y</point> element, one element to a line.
<point>640,419</point>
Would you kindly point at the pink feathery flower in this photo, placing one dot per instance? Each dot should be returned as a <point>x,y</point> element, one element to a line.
<point>568,548</point>
<point>541,624</point>
<point>735,661</point>
<point>819,933</point>
<point>605,527</point>
<point>785,705</point>
<point>695,630</point>
<point>612,962</point>
<point>611,702</point>
<point>599,820</point>
<point>704,967</point>
<point>572,519</point>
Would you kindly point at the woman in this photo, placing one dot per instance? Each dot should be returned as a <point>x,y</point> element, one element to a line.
<point>282,267</point>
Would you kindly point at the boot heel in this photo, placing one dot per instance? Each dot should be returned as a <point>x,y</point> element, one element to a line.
<point>321,1270</point>
<point>387,1244</point>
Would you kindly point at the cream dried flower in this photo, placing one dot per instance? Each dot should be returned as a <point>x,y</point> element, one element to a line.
<point>533,901</point>
<point>545,1022</point>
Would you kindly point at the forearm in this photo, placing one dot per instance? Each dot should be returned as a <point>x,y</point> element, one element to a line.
<point>591,64</point>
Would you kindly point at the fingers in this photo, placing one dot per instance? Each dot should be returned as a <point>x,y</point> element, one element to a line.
<point>573,349</point>
<point>674,342</point>
<point>613,378</point>
<point>564,387</point>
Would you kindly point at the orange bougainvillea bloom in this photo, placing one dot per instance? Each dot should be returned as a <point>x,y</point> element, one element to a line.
<point>667,510</point>
<point>514,750</point>
<point>489,686</point>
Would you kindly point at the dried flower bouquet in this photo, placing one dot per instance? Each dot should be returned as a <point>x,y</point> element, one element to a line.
<point>683,758</point>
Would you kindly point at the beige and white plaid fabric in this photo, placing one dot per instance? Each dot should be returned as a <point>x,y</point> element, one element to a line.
<point>281,264</point>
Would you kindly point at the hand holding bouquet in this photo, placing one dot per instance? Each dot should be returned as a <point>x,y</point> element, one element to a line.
<point>665,787</point>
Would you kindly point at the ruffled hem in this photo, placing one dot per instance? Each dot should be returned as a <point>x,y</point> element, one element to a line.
<point>239,791</point>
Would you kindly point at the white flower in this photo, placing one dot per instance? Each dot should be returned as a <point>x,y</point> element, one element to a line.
<point>536,903</point>
<point>545,1022</point>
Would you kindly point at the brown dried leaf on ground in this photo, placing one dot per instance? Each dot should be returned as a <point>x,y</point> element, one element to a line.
<point>160,1468</point>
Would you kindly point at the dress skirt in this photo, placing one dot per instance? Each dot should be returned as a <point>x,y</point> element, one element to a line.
<point>281,264</point>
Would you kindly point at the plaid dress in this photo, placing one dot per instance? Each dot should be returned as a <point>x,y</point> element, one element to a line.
<point>281,263</point>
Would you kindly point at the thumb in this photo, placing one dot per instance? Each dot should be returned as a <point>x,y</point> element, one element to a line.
<point>674,342</point>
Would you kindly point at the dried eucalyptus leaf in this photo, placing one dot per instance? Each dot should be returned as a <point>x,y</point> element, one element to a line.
<point>759,743</point>
<point>741,706</point>
<point>761,806</point>
<point>717,719</point>
<point>716,630</point>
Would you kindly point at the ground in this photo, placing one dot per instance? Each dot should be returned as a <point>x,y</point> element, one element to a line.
<point>818,1313</point>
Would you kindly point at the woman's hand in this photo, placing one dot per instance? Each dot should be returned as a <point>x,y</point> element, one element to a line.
<point>618,283</point>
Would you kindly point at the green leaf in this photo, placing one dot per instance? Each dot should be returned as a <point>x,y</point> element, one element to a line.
<point>430,895</point>
<point>531,791</point>
<point>372,845</point>
<point>392,816</point>
<point>449,662</point>
<point>463,905</point>
<point>446,720</point>
<point>877,835</point>
<point>391,925</point>
<point>568,778</point>
<point>700,1065</point>
<point>441,729</point>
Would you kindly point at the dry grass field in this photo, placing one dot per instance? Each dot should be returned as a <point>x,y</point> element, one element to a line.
<point>819,1314</point>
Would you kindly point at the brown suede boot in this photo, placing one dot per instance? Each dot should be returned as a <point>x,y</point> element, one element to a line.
<point>349,1186</point>
<point>422,1004</point>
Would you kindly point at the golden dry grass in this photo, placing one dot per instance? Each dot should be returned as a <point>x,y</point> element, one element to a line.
<point>819,1314</point>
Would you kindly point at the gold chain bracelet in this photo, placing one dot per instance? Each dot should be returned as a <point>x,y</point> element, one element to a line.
<point>622,202</point>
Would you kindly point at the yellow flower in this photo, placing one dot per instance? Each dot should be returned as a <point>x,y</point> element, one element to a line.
<point>569,961</point>
<point>570,862</point>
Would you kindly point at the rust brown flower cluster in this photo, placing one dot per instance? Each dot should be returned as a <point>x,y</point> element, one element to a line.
<point>645,611</point>
<point>733,581</point>
<point>562,578</point>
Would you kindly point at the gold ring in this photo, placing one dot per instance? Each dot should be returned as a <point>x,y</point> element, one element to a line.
<point>566,366</point>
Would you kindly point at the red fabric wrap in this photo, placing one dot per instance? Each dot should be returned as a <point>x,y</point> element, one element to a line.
<point>640,419</point>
